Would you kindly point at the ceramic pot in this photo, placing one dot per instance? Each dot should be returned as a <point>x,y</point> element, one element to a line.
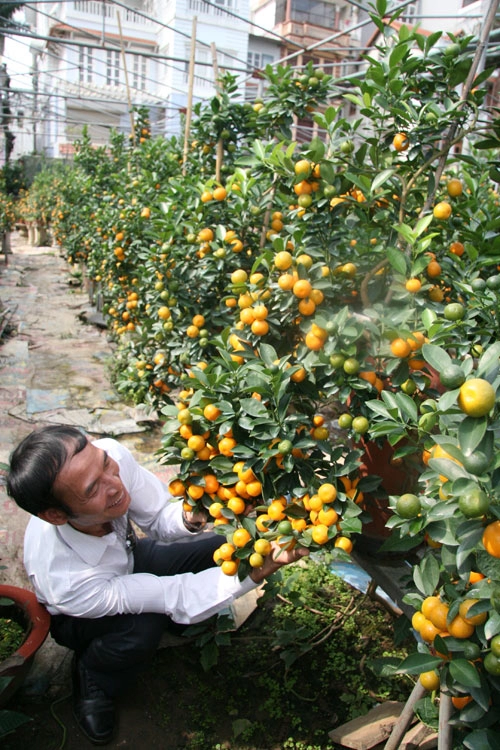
<point>26,610</point>
<point>397,478</point>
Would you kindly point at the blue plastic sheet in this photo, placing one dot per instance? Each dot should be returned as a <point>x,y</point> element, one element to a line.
<point>358,578</point>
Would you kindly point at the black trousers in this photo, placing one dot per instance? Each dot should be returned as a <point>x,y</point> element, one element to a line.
<point>115,648</point>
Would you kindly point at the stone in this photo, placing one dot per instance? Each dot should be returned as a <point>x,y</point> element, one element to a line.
<point>365,732</point>
<point>416,736</point>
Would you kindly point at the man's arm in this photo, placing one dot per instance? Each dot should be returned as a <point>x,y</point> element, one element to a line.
<point>186,597</point>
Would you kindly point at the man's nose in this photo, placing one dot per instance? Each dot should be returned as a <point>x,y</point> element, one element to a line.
<point>114,483</point>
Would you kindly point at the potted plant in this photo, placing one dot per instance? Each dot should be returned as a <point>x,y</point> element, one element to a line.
<point>21,606</point>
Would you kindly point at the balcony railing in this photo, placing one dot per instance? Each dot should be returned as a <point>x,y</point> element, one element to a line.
<point>199,6</point>
<point>108,10</point>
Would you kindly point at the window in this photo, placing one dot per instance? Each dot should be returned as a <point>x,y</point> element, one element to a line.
<point>409,13</point>
<point>203,74</point>
<point>139,72</point>
<point>307,11</point>
<point>258,60</point>
<point>85,64</point>
<point>113,68</point>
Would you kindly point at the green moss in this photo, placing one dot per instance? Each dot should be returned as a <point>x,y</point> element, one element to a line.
<point>11,637</point>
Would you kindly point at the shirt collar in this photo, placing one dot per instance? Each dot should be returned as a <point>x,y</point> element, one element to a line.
<point>89,548</point>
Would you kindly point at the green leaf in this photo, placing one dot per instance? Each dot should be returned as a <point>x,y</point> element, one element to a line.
<point>253,407</point>
<point>436,357</point>
<point>470,433</point>
<point>381,7</point>
<point>426,575</point>
<point>447,468</point>
<point>398,53</point>
<point>268,354</point>
<point>406,232</point>
<point>428,318</point>
<point>422,224</point>
<point>11,720</point>
<point>489,361</point>
<point>487,143</point>
<point>464,673</point>
<point>428,712</point>
<point>492,625</point>
<point>331,115</point>
<point>482,77</point>
<point>407,406</point>
<point>354,99</point>
<point>482,739</point>
<point>381,178</point>
<point>397,259</point>
<point>441,531</point>
<point>378,408</point>
<point>417,663</point>
<point>404,32</point>
<point>209,655</point>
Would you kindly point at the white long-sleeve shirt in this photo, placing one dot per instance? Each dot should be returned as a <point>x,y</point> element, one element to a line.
<point>81,575</point>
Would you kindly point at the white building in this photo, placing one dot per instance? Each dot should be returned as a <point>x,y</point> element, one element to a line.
<point>92,60</point>
<point>89,61</point>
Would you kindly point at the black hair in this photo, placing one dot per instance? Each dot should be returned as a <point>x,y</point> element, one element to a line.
<point>35,464</point>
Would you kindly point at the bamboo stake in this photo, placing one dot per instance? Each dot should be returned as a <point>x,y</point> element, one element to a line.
<point>132,124</point>
<point>295,119</point>
<point>405,718</point>
<point>220,143</point>
<point>445,729</point>
<point>189,109</point>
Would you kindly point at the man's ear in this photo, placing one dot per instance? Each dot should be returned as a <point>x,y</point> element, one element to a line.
<point>54,516</point>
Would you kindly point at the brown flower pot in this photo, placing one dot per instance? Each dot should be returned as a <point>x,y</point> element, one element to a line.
<point>397,478</point>
<point>37,622</point>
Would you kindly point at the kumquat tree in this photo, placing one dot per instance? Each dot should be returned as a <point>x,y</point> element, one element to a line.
<point>308,316</point>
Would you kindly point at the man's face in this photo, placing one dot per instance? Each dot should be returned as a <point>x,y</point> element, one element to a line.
<point>89,484</point>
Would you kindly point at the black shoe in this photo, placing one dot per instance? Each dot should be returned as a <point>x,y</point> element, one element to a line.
<point>92,708</point>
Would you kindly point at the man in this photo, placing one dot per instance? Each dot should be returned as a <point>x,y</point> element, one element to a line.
<point>110,595</point>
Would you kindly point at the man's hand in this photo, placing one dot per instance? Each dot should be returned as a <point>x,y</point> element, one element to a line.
<point>194,521</point>
<point>276,560</point>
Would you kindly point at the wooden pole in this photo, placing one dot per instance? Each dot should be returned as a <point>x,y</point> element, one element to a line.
<point>295,119</point>
<point>189,108</point>
<point>220,144</point>
<point>132,124</point>
<point>445,730</point>
<point>405,718</point>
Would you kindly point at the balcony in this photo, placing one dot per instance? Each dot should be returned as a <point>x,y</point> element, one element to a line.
<point>306,34</point>
<point>104,10</point>
<point>198,6</point>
